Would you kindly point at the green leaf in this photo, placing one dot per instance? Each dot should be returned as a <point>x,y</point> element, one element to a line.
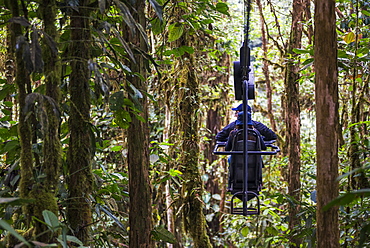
<point>160,233</point>
<point>187,49</point>
<point>175,31</point>
<point>272,230</point>
<point>174,173</point>
<point>342,54</point>
<point>116,148</point>
<point>308,61</point>
<point>245,231</point>
<point>365,12</point>
<point>300,51</point>
<point>347,198</point>
<point>51,219</point>
<point>6,90</point>
<point>120,119</point>
<point>10,145</point>
<point>70,238</point>
<point>222,8</point>
<point>364,234</point>
<point>157,26</point>
<point>10,229</point>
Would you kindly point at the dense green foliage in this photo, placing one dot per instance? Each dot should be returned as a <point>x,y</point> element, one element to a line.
<point>207,35</point>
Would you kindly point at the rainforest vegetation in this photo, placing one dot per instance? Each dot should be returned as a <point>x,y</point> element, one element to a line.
<point>109,111</point>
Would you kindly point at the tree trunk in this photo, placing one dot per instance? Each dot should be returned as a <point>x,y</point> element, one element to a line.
<point>138,144</point>
<point>79,155</point>
<point>22,80</point>
<point>292,119</point>
<point>265,68</point>
<point>326,89</point>
<point>44,194</point>
<point>192,189</point>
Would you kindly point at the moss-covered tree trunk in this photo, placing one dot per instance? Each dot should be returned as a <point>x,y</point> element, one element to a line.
<point>51,144</point>
<point>79,155</point>
<point>22,81</point>
<point>192,189</point>
<point>326,95</point>
<point>31,186</point>
<point>292,119</point>
<point>140,217</point>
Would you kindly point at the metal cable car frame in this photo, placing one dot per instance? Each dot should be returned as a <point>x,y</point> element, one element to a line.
<point>244,90</point>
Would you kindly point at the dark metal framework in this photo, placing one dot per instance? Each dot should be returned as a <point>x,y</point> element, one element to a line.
<point>244,90</point>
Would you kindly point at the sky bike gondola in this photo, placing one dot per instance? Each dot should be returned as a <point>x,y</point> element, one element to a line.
<point>245,168</point>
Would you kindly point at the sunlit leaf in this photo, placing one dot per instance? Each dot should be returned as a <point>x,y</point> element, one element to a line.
<point>365,12</point>
<point>300,51</point>
<point>350,37</point>
<point>175,31</point>
<point>245,231</point>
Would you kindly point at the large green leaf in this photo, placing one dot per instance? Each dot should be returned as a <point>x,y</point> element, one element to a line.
<point>175,31</point>
<point>51,219</point>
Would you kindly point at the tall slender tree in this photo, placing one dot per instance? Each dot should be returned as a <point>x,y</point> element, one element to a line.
<point>326,90</point>
<point>265,68</point>
<point>292,117</point>
<point>138,139</point>
<point>80,178</point>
